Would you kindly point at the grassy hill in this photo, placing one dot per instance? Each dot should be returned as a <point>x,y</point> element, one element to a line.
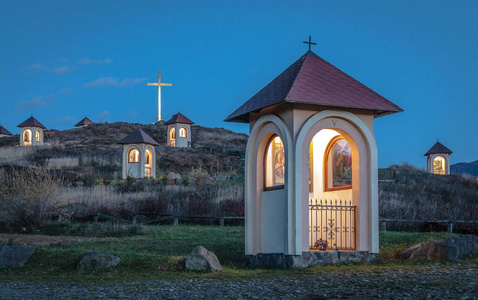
<point>93,150</point>
<point>89,162</point>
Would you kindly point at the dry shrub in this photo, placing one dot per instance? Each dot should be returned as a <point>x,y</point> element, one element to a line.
<point>29,195</point>
<point>18,156</point>
<point>415,194</point>
<point>62,162</point>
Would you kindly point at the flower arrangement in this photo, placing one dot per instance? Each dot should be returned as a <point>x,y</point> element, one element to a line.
<point>321,244</point>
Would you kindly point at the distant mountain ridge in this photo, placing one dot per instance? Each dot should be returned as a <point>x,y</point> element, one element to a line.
<point>465,168</point>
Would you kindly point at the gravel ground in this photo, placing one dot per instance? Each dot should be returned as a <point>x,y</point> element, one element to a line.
<point>433,282</point>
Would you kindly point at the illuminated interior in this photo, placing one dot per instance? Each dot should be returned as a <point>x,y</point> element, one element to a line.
<point>274,166</point>
<point>148,163</point>
<point>439,165</point>
<point>172,137</point>
<point>183,133</point>
<point>133,156</point>
<point>338,166</point>
<point>37,136</point>
<point>27,137</point>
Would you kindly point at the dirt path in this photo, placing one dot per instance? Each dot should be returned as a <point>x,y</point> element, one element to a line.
<point>433,282</point>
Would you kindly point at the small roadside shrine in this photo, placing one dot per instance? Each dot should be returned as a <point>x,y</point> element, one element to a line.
<point>4,132</point>
<point>311,171</point>
<point>438,159</point>
<point>32,132</point>
<point>84,122</point>
<point>139,156</point>
<point>179,131</point>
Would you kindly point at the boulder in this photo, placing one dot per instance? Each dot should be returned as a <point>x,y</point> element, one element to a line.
<point>406,254</point>
<point>12,257</point>
<point>200,259</point>
<point>452,248</point>
<point>97,260</point>
<point>421,253</point>
<point>471,240</point>
<point>175,176</point>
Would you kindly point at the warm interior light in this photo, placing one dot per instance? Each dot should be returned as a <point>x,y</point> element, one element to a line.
<point>439,165</point>
<point>274,163</point>
<point>133,156</point>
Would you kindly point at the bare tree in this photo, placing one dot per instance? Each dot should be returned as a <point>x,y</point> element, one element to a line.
<point>29,194</point>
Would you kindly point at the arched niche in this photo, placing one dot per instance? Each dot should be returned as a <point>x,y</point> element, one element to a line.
<point>267,210</point>
<point>364,192</point>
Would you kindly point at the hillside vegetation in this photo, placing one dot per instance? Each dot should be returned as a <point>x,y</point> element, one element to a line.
<point>84,167</point>
<point>406,192</point>
<point>93,151</point>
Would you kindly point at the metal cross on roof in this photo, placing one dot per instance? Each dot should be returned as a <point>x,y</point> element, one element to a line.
<point>310,42</point>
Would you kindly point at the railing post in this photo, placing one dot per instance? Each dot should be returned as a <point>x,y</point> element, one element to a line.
<point>221,222</point>
<point>450,227</point>
<point>383,226</point>
<point>96,218</point>
<point>134,220</point>
<point>59,218</point>
<point>176,221</point>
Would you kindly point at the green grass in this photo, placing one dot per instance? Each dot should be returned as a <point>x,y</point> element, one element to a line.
<point>158,253</point>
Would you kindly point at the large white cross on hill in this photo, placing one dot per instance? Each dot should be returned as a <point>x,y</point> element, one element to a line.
<point>159,84</point>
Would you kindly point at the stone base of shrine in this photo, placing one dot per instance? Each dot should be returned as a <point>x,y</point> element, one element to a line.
<point>308,259</point>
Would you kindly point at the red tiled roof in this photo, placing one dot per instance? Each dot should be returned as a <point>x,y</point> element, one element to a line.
<point>138,137</point>
<point>313,80</point>
<point>3,130</point>
<point>179,118</point>
<point>84,122</point>
<point>438,148</point>
<point>31,122</point>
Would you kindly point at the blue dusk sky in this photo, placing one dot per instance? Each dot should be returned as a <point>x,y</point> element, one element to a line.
<point>62,60</point>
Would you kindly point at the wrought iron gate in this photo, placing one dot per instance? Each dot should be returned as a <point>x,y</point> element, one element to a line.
<point>332,223</point>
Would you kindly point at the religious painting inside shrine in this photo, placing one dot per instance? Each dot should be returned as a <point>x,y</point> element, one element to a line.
<point>148,164</point>
<point>133,156</point>
<point>439,165</point>
<point>27,136</point>
<point>274,169</point>
<point>338,164</point>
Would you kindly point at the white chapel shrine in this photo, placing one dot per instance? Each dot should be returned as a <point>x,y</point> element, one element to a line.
<point>139,156</point>
<point>311,173</point>
<point>32,132</point>
<point>438,159</point>
<point>179,131</point>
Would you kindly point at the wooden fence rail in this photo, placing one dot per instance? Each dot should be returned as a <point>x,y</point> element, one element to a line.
<point>383,222</point>
<point>161,217</point>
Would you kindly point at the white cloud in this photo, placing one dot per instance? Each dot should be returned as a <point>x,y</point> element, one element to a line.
<point>65,91</point>
<point>38,101</point>
<point>104,113</point>
<point>110,81</point>
<point>35,67</point>
<point>62,70</point>
<point>87,61</point>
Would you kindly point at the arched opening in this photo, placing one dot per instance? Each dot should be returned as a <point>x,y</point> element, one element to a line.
<point>172,137</point>
<point>27,137</point>
<point>274,164</point>
<point>331,205</point>
<point>148,163</point>
<point>183,133</point>
<point>133,156</point>
<point>37,136</point>
<point>439,165</point>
